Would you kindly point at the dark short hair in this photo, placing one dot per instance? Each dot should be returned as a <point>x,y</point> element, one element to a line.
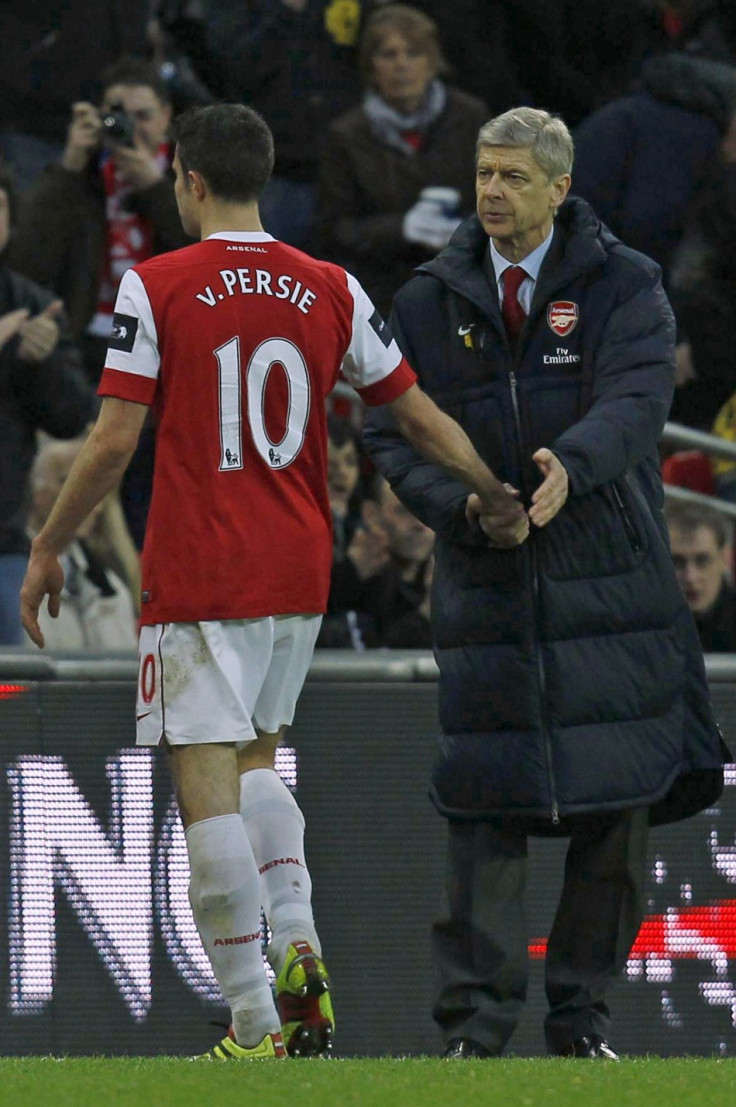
<point>130,71</point>
<point>340,430</point>
<point>417,28</point>
<point>230,145</point>
<point>690,516</point>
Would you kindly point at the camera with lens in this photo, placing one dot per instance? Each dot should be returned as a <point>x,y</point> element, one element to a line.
<point>117,127</point>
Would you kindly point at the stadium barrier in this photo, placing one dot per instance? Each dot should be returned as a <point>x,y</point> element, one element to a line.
<point>99,952</point>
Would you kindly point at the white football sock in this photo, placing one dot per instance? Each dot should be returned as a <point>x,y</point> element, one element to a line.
<point>275,828</point>
<point>225,898</point>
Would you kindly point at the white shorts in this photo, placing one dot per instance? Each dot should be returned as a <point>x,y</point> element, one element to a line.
<point>221,681</point>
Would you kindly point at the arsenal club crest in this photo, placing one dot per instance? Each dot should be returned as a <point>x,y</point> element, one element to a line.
<point>563,316</point>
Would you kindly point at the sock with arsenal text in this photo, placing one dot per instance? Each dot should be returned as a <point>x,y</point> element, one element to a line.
<point>275,829</point>
<point>225,898</point>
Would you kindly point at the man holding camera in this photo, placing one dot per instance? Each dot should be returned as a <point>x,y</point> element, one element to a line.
<point>106,206</point>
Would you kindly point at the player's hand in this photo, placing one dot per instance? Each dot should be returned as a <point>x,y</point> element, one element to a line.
<point>39,335</point>
<point>369,551</point>
<point>137,165</point>
<point>552,492</point>
<point>44,577</point>
<point>83,137</point>
<point>506,523</point>
<point>10,324</point>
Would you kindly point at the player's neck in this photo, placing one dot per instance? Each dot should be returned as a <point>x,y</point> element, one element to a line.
<point>230,217</point>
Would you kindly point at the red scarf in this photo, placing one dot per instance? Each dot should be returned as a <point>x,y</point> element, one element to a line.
<point>129,238</point>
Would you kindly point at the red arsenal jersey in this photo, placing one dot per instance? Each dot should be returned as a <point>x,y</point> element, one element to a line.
<point>236,342</point>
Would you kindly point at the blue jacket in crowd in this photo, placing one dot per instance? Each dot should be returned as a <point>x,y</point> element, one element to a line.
<point>571,678</point>
<point>642,159</point>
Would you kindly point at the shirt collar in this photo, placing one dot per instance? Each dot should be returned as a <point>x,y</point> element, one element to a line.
<point>242,236</point>
<point>531,264</point>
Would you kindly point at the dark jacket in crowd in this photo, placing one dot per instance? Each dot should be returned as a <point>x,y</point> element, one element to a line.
<point>60,236</point>
<point>296,68</point>
<point>575,55</point>
<point>717,627</point>
<point>382,610</point>
<point>366,188</point>
<point>707,30</point>
<point>571,677</point>
<point>53,54</point>
<point>51,396</point>
<point>641,159</point>
<point>703,291</point>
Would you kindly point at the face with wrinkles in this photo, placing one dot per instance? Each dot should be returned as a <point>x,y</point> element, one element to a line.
<point>516,200</point>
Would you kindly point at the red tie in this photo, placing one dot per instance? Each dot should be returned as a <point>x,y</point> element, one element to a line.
<point>512,311</point>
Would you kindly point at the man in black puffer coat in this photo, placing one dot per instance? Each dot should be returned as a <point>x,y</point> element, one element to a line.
<point>572,690</point>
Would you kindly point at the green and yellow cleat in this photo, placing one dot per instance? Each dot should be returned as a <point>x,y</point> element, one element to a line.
<point>304,1003</point>
<point>271,1048</point>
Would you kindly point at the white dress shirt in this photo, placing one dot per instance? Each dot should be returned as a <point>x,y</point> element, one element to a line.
<point>531,265</point>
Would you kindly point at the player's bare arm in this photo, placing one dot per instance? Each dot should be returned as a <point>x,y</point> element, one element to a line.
<point>440,439</point>
<point>98,469</point>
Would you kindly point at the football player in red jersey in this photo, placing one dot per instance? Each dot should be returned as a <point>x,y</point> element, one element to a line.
<point>236,343</point>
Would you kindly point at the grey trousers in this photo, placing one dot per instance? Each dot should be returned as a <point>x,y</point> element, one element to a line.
<point>480,941</point>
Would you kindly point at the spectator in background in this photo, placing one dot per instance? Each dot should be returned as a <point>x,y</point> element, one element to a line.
<point>291,60</point>
<point>97,609</point>
<point>478,42</point>
<point>724,471</point>
<point>107,205</point>
<point>400,588</point>
<point>42,387</point>
<point>393,181</point>
<point>704,28</point>
<point>702,550</point>
<point>346,462</point>
<point>412,630</point>
<point>641,159</point>
<point>575,55</point>
<point>52,56</point>
<point>703,293</point>
<point>383,579</point>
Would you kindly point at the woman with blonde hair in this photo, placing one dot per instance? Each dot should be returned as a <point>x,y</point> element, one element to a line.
<point>396,176</point>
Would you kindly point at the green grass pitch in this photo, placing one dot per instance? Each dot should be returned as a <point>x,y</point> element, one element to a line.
<point>389,1082</point>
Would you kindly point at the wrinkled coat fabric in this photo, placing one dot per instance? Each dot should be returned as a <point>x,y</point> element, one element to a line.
<point>571,678</point>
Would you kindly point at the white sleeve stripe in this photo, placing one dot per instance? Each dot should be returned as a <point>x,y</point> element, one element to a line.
<point>368,359</point>
<point>132,300</point>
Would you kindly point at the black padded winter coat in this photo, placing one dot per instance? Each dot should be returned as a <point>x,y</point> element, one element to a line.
<point>571,678</point>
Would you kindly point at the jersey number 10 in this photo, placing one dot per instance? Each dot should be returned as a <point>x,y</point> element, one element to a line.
<point>273,351</point>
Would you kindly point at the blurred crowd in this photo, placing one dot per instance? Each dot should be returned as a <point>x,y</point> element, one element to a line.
<point>375,108</point>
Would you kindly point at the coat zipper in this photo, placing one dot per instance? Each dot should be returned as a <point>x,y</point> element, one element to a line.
<point>542,676</point>
<point>629,527</point>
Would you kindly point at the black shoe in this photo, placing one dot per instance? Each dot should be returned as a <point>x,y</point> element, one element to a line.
<point>462,1049</point>
<point>591,1046</point>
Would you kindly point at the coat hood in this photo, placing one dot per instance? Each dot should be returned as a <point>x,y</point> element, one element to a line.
<point>696,84</point>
